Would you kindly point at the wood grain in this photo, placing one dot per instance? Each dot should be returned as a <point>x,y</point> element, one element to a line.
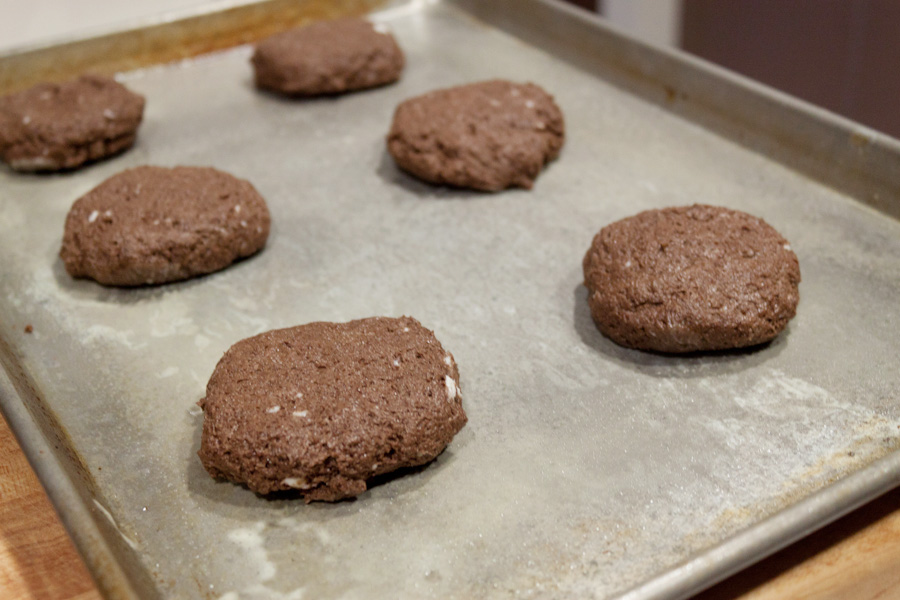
<point>37,558</point>
<point>857,558</point>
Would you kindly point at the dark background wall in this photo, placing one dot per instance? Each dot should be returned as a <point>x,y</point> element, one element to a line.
<point>589,4</point>
<point>843,55</point>
<point>840,54</point>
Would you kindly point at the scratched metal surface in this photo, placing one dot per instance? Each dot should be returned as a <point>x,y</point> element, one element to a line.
<point>585,470</point>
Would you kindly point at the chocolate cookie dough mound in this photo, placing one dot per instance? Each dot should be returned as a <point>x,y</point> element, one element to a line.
<point>328,57</point>
<point>487,136</point>
<point>51,127</point>
<point>153,225</point>
<point>321,408</point>
<point>692,278</point>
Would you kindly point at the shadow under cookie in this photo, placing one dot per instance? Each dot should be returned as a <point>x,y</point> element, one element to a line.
<point>389,172</point>
<point>657,364</point>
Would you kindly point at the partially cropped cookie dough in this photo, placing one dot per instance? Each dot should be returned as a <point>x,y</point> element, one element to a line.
<point>324,407</point>
<point>487,136</point>
<point>691,278</point>
<point>328,57</point>
<point>153,225</point>
<point>51,127</point>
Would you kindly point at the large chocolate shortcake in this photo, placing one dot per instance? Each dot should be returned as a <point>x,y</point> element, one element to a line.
<point>691,278</point>
<point>328,57</point>
<point>322,408</point>
<point>151,225</point>
<point>56,126</point>
<point>487,136</point>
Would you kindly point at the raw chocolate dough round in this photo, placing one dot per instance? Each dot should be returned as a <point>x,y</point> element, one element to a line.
<point>323,407</point>
<point>153,225</point>
<point>52,126</point>
<point>487,136</point>
<point>692,278</point>
<point>328,57</point>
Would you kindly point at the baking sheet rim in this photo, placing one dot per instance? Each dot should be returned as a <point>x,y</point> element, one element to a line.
<point>716,563</point>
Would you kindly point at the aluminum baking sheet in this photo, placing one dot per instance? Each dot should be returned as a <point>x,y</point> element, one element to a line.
<point>586,470</point>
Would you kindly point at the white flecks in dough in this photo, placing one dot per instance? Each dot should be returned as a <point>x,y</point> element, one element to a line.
<point>300,413</point>
<point>93,216</point>
<point>514,92</point>
<point>529,103</point>
<point>33,163</point>
<point>540,125</point>
<point>670,321</point>
<point>259,230</point>
<point>237,208</point>
<point>168,372</point>
<point>448,361</point>
<point>405,329</point>
<point>494,102</point>
<point>299,395</point>
<point>787,246</point>
<point>396,362</point>
<point>452,390</point>
<point>627,263</point>
<point>109,113</point>
<point>108,515</point>
<point>272,410</point>
<point>375,467</point>
<point>298,483</point>
<point>243,223</point>
<point>26,120</point>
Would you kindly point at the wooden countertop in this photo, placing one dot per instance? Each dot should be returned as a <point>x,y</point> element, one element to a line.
<point>37,558</point>
<point>855,558</point>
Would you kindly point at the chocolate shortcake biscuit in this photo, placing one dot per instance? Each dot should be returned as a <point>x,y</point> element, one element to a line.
<point>328,57</point>
<point>51,126</point>
<point>154,225</point>
<point>487,136</point>
<point>691,278</point>
<point>322,408</point>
